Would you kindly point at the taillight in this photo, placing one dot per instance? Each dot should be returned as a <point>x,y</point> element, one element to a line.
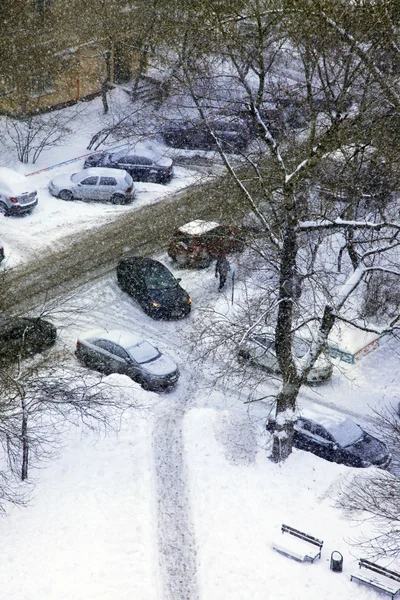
<point>129,190</point>
<point>78,344</point>
<point>14,200</point>
<point>169,170</point>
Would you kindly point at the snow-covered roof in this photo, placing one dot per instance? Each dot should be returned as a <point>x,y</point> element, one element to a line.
<point>198,227</point>
<point>123,338</point>
<point>14,182</point>
<point>104,172</point>
<point>349,338</point>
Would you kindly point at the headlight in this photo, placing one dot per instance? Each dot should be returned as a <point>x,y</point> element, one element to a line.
<point>190,301</point>
<point>155,304</point>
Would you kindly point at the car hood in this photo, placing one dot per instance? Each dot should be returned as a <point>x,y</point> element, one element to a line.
<point>170,296</point>
<point>62,180</point>
<point>369,449</point>
<point>163,365</point>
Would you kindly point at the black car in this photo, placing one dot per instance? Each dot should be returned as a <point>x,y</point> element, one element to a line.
<point>232,134</point>
<point>140,168</point>
<point>336,438</point>
<point>154,287</point>
<point>21,337</point>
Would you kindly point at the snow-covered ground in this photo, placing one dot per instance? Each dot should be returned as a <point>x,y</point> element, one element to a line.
<point>182,503</point>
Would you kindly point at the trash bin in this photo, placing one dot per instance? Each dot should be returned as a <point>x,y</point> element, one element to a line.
<point>336,562</point>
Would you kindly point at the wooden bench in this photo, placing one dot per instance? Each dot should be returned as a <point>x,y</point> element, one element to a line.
<point>298,545</point>
<point>378,577</point>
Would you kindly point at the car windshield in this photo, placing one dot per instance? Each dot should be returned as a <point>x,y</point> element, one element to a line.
<point>346,433</point>
<point>143,352</point>
<point>159,280</point>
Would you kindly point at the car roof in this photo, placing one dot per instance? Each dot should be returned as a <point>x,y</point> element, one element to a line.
<point>143,262</point>
<point>125,339</point>
<point>198,227</point>
<point>325,417</point>
<point>103,172</point>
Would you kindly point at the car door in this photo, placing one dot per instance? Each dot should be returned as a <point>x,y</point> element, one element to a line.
<point>108,186</point>
<point>314,438</point>
<point>87,188</point>
<point>107,359</point>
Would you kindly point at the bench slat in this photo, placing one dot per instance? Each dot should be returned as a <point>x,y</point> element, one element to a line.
<point>377,580</point>
<point>296,548</point>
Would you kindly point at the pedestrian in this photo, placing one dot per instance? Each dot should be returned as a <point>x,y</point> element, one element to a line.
<point>222,269</point>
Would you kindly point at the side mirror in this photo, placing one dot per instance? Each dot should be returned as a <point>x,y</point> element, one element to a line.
<point>179,279</point>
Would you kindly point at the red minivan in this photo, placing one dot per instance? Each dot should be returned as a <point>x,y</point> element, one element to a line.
<point>199,242</point>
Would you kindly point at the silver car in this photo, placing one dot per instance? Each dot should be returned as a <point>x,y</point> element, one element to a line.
<point>109,185</point>
<point>128,353</point>
<point>17,193</point>
<point>260,350</point>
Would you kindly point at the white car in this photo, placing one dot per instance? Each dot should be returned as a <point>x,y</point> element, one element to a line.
<point>17,193</point>
<point>97,183</point>
<point>260,350</point>
<point>128,353</point>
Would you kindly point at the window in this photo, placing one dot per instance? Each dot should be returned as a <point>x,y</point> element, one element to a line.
<point>108,181</point>
<point>105,345</point>
<point>120,352</point>
<point>319,431</point>
<point>303,424</point>
<point>89,181</point>
<point>43,84</point>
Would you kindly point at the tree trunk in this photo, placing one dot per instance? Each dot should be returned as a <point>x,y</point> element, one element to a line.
<point>106,81</point>
<point>288,288</point>
<point>25,444</point>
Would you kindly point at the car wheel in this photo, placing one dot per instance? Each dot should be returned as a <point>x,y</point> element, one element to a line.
<point>3,209</point>
<point>118,199</point>
<point>66,195</point>
<point>145,384</point>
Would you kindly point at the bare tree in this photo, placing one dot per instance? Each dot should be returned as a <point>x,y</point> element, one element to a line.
<point>261,56</point>
<point>30,135</point>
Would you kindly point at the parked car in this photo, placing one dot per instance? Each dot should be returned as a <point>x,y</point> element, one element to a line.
<point>140,168</point>
<point>154,287</point>
<point>337,438</point>
<point>128,353</point>
<point>233,134</point>
<point>260,350</point>
<point>21,337</point>
<point>110,185</point>
<point>17,193</point>
<point>1,251</point>
<point>199,242</point>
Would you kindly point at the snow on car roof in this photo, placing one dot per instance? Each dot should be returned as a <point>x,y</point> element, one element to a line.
<point>198,227</point>
<point>123,338</point>
<point>14,182</point>
<point>325,417</point>
<point>104,171</point>
<point>10,176</point>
